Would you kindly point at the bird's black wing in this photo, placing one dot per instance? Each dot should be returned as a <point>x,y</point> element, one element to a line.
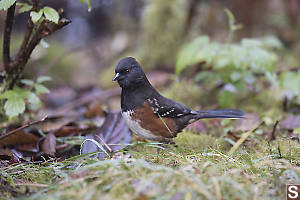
<point>164,107</point>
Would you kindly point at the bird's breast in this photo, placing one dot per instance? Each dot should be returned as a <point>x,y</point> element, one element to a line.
<point>135,126</point>
<point>144,123</point>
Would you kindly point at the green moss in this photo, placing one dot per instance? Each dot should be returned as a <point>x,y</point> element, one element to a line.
<point>200,143</point>
<point>19,179</point>
<point>288,149</point>
<point>196,168</point>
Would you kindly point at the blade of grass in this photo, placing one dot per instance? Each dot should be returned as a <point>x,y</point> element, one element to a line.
<point>109,149</point>
<point>165,124</point>
<point>96,143</point>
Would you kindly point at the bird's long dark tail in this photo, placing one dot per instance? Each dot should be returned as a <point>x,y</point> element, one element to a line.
<point>221,114</point>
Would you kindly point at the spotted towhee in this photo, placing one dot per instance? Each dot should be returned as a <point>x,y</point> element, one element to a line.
<point>150,115</point>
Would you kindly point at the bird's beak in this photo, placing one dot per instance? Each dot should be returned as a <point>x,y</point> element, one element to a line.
<point>116,77</point>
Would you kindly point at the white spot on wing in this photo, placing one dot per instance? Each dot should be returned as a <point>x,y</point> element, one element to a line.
<point>156,102</point>
<point>168,112</point>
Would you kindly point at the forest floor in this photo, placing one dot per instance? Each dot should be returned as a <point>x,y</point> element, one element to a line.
<point>200,166</point>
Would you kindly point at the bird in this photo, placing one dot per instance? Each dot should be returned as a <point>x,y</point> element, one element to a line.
<point>149,114</point>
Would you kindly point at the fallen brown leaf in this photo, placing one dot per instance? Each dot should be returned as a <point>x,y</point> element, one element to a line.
<point>32,147</point>
<point>59,97</point>
<point>14,159</point>
<point>54,125</point>
<point>20,137</point>
<point>49,144</point>
<point>113,133</point>
<point>249,121</point>
<point>197,126</point>
<point>94,109</point>
<point>291,122</point>
<point>5,151</point>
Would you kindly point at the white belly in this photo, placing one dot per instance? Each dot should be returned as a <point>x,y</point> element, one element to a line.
<point>136,128</point>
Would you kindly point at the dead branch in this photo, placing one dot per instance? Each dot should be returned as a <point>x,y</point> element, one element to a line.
<point>14,68</point>
<point>29,30</point>
<point>272,136</point>
<point>45,29</point>
<point>6,37</point>
<point>28,33</point>
<point>22,127</point>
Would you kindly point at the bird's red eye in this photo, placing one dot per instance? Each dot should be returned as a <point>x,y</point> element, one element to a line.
<point>128,70</point>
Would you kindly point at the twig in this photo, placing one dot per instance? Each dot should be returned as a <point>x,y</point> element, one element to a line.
<point>14,68</point>
<point>46,28</point>
<point>242,139</point>
<point>272,135</point>
<point>29,30</point>
<point>22,127</point>
<point>38,185</point>
<point>6,37</point>
<point>28,33</point>
<point>191,13</point>
<point>36,38</point>
<point>106,145</point>
<point>278,148</point>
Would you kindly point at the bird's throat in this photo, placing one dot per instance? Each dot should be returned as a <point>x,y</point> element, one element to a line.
<point>134,97</point>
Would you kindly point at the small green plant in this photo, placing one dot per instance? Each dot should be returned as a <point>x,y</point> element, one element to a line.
<point>290,82</point>
<point>15,93</point>
<point>236,64</point>
<point>16,98</point>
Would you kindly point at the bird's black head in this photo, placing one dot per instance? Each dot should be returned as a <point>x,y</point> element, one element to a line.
<point>129,73</point>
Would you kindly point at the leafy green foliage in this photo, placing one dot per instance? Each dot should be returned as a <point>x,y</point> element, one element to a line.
<point>249,63</point>
<point>38,87</point>
<point>237,64</point>
<point>5,4</point>
<point>14,105</point>
<point>51,14</point>
<point>291,82</point>
<point>232,25</point>
<point>15,99</point>
<point>192,53</point>
<point>24,7</point>
<point>42,79</point>
<point>249,53</point>
<point>234,63</point>
<point>36,16</point>
<point>48,12</point>
<point>231,18</point>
